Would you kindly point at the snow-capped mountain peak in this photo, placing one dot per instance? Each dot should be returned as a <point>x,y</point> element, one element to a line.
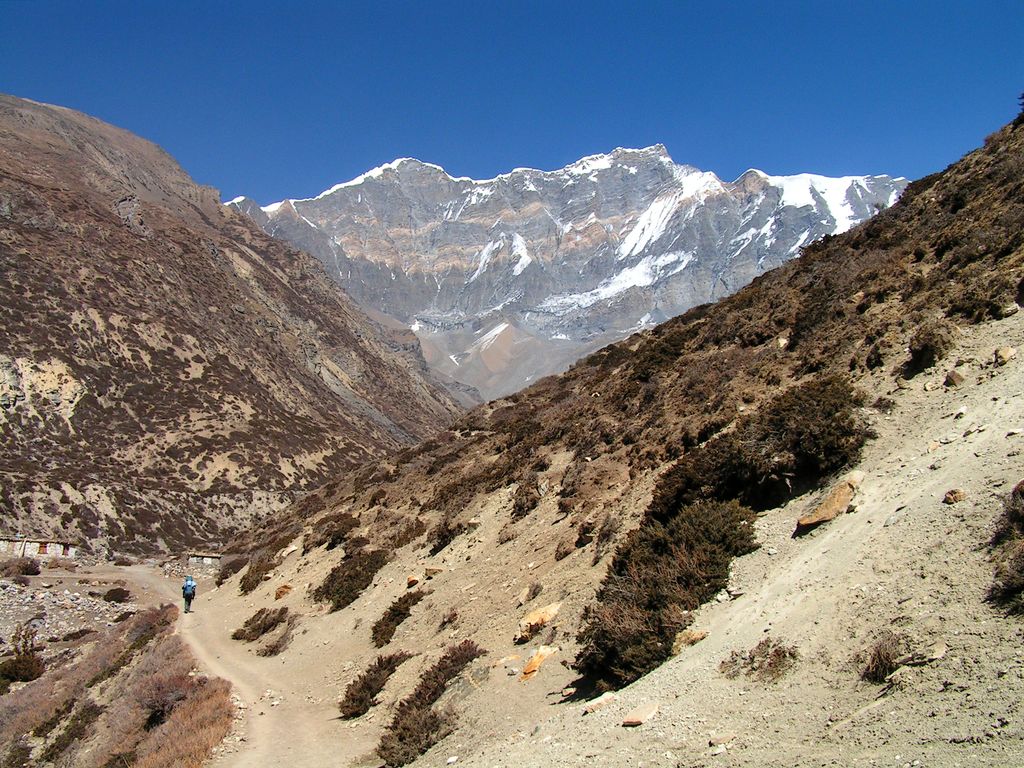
<point>575,257</point>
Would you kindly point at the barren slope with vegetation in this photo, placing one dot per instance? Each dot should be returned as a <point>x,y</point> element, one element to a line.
<point>586,519</point>
<point>167,370</point>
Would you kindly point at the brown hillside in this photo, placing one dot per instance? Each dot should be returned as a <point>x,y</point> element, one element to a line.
<point>167,370</point>
<point>869,306</point>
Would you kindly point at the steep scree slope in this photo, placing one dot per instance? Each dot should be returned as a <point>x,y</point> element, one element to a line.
<point>167,370</point>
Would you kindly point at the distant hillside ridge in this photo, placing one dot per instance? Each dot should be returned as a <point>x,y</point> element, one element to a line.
<point>168,372</point>
<point>506,280</point>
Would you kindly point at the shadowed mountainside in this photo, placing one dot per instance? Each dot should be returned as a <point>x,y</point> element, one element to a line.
<point>167,370</point>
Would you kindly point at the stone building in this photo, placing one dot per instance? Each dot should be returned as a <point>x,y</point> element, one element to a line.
<point>17,546</point>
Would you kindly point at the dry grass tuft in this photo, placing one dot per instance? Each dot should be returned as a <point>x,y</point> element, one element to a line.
<point>362,692</point>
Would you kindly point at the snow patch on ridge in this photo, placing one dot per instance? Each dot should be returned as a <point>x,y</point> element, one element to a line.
<point>519,249</point>
<point>649,227</point>
<point>645,272</point>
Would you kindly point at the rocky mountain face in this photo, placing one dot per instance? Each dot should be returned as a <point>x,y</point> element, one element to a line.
<point>167,370</point>
<point>513,278</point>
<point>584,519</point>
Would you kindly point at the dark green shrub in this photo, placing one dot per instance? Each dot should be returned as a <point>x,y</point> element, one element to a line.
<point>349,578</point>
<point>397,612</point>
<point>362,692</point>
<point>661,572</point>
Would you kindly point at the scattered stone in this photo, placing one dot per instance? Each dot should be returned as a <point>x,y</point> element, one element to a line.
<point>687,638</point>
<point>771,551</point>
<point>930,386</point>
<point>534,663</point>
<point>431,571</point>
<point>640,715</point>
<point>937,651</point>
<point>1003,355</point>
<point>902,384</point>
<point>523,597</point>
<point>719,750</point>
<point>412,581</point>
<point>600,702</point>
<point>282,591</point>
<point>1008,310</point>
<point>452,760</point>
<point>960,413</point>
<point>833,505</point>
<point>532,622</point>
<point>723,738</point>
<point>954,378</point>
<point>891,520</point>
<point>954,496</point>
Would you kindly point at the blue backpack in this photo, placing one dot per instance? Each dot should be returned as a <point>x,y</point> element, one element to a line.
<point>189,590</point>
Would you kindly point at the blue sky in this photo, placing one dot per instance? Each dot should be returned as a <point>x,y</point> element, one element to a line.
<point>284,99</point>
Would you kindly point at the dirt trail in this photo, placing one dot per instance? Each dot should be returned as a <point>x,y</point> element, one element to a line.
<point>282,726</point>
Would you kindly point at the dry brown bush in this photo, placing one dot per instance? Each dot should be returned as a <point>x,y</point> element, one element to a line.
<point>384,628</point>
<point>660,573</point>
<point>564,549</point>
<point>117,595</point>
<point>229,566</point>
<point>767,661</point>
<point>350,577</point>
<point>19,566</point>
<point>194,727</point>
<point>259,566</point>
<point>278,644</point>
<point>26,664</point>
<point>448,619</point>
<point>883,657</point>
<point>261,622</point>
<point>362,692</point>
<point>417,725</point>
<point>930,343</point>
<point>1007,543</point>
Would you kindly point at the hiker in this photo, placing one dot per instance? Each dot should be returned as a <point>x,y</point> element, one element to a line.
<point>188,591</point>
